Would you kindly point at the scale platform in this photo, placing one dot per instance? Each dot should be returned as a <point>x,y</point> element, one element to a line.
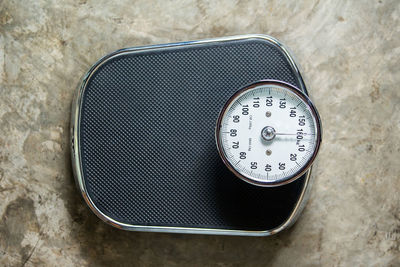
<point>143,138</point>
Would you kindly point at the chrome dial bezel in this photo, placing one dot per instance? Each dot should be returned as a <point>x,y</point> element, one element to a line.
<point>289,178</point>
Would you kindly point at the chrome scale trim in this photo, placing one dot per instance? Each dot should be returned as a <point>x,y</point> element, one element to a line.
<point>76,158</point>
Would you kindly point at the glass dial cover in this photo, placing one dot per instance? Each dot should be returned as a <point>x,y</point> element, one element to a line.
<point>268,133</point>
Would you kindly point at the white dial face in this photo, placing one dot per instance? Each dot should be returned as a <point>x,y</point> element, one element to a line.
<point>268,134</point>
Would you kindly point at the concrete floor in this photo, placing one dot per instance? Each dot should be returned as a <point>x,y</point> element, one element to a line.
<point>350,53</point>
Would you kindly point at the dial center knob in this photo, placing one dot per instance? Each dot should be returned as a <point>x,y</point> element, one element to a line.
<point>268,133</point>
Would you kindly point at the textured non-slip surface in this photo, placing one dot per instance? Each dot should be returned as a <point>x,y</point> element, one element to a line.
<point>147,137</point>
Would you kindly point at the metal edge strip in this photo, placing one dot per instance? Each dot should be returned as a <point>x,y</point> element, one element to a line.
<point>76,157</point>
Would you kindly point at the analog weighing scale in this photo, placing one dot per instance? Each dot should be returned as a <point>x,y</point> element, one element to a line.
<point>215,136</point>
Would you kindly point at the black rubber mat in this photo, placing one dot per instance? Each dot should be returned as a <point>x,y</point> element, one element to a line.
<point>147,141</point>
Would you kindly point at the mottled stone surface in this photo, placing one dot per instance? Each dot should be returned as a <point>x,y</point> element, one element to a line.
<point>350,53</point>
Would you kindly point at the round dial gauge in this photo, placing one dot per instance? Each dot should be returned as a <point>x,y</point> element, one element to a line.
<point>268,133</point>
